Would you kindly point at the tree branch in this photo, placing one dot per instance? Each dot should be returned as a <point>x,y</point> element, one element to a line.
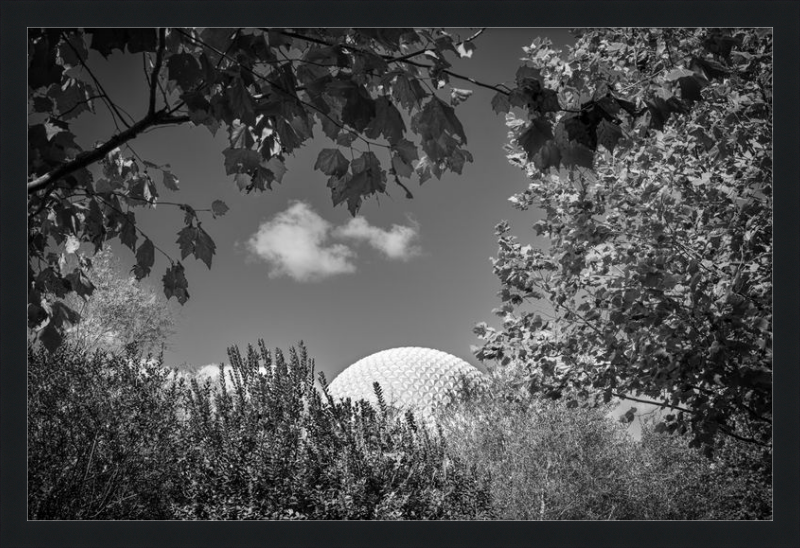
<point>87,158</point>
<point>156,69</point>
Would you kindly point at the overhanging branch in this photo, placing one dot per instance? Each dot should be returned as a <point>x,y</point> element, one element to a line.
<point>85,159</point>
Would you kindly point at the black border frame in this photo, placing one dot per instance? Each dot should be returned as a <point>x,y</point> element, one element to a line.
<point>784,16</point>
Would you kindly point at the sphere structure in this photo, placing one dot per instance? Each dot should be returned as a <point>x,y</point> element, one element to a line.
<point>414,378</point>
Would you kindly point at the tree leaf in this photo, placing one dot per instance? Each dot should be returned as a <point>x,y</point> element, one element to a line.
<point>387,121</point>
<point>458,96</point>
<point>186,240</point>
<point>535,136</point>
<point>608,134</point>
<point>240,160</point>
<point>241,102</point>
<point>185,69</point>
<point>331,162</point>
<point>204,247</point>
<point>401,166</point>
<point>175,284</point>
<point>145,257</point>
<point>72,98</point>
<point>169,180</point>
<point>218,208</point>
<point>407,91</point>
<point>500,104</point>
<point>465,49</point>
<point>80,284</point>
<point>127,234</point>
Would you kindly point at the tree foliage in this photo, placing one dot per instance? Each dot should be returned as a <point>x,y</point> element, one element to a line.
<point>656,195</point>
<point>120,310</point>
<point>370,91</point>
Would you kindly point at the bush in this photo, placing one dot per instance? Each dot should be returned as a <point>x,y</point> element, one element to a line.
<point>549,461</point>
<point>100,436</point>
<point>275,447</point>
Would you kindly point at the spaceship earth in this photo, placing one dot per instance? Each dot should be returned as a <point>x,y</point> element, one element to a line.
<point>414,378</point>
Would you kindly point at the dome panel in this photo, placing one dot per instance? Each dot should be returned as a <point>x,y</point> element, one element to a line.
<point>411,377</point>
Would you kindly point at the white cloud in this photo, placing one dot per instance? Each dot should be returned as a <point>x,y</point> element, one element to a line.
<point>396,243</point>
<point>297,243</point>
<point>293,243</point>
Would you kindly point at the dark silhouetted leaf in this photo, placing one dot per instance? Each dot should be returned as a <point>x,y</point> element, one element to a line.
<point>145,257</point>
<point>500,104</point>
<point>184,69</point>
<point>535,136</point>
<point>175,284</point>
<point>240,160</point>
<point>331,162</point>
<point>387,121</point>
<point>608,134</point>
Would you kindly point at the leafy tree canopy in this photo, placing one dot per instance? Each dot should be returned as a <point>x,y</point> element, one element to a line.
<point>370,90</point>
<point>655,184</point>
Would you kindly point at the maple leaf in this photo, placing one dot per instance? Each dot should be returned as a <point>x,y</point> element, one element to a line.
<point>43,70</point>
<point>204,246</point>
<point>359,107</point>
<point>175,284</point>
<point>331,162</point>
<point>608,134</point>
<point>193,240</point>
<point>185,69</point>
<point>241,102</point>
<point>169,180</point>
<point>659,112</point>
<point>128,233</point>
<point>218,208</point>
<point>71,50</point>
<point>535,136</point>
<point>527,75</point>
<point>79,283</point>
<point>406,150</point>
<point>240,160</point>
<point>387,121</point>
<point>440,129</point>
<point>401,166</point>
<point>72,98</point>
<point>408,92</point>
<point>500,103</point>
<point>366,179</point>
<point>691,86</point>
<point>186,240</point>
<point>548,156</point>
<point>145,257</point>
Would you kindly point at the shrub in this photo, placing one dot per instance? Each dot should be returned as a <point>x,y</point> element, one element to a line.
<point>100,435</point>
<point>276,447</point>
<point>551,461</point>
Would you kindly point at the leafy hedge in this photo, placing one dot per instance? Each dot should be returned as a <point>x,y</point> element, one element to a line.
<point>112,439</point>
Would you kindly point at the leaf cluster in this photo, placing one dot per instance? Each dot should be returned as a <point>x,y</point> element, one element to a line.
<point>266,88</point>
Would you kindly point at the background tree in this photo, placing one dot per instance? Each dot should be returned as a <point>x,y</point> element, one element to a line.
<point>121,310</point>
<point>656,192</point>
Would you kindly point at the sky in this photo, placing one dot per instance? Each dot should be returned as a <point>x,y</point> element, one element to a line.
<point>289,266</point>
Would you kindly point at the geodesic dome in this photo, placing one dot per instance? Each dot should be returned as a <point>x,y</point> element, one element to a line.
<point>414,378</point>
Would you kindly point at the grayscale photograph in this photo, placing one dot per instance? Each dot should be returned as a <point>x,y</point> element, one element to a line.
<point>400,274</point>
